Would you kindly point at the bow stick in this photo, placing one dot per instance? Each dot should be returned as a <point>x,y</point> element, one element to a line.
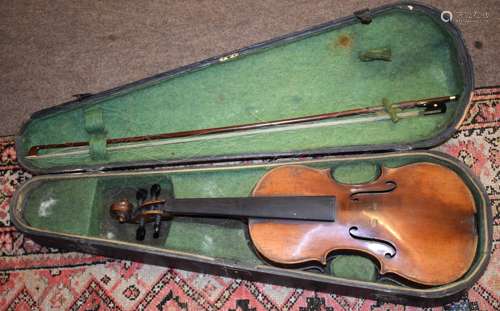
<point>434,105</point>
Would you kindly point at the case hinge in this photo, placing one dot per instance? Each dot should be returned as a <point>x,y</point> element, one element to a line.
<point>364,15</point>
<point>81,96</point>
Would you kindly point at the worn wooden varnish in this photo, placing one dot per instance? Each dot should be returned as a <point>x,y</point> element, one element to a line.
<point>417,221</point>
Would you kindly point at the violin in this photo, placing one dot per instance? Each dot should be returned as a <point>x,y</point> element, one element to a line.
<point>416,221</point>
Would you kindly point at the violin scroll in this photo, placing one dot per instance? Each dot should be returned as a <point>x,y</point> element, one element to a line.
<point>121,210</point>
<point>148,209</point>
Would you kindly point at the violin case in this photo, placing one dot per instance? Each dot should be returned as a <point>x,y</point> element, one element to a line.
<point>308,72</point>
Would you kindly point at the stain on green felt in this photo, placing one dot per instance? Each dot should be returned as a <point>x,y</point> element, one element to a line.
<point>318,74</point>
<point>353,267</point>
<point>62,205</point>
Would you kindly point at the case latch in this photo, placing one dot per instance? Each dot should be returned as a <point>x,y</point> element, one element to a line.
<point>364,15</point>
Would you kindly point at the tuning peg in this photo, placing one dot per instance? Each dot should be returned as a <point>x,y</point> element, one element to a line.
<point>140,234</point>
<point>155,191</point>
<point>156,227</point>
<point>141,196</point>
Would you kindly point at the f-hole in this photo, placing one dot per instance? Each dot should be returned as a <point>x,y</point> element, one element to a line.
<point>387,186</point>
<point>386,247</point>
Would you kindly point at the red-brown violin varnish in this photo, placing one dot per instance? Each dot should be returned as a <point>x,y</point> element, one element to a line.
<point>417,221</point>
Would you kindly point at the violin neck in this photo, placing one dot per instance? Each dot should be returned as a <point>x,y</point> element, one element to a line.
<point>304,208</point>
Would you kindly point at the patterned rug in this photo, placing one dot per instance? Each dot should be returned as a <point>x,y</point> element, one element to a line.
<point>33,277</point>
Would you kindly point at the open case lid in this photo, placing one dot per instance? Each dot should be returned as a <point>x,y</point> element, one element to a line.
<point>318,70</point>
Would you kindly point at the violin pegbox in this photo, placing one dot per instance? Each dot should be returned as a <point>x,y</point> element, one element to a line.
<point>147,209</point>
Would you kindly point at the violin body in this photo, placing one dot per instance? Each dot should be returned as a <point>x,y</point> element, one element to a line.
<point>417,221</point>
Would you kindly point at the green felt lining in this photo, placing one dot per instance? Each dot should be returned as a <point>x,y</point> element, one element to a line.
<point>62,205</point>
<point>81,206</point>
<point>96,129</point>
<point>317,74</point>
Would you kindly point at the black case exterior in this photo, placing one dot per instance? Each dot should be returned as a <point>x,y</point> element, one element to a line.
<point>301,279</point>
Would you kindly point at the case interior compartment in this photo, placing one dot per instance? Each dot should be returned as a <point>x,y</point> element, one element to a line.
<point>78,205</point>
